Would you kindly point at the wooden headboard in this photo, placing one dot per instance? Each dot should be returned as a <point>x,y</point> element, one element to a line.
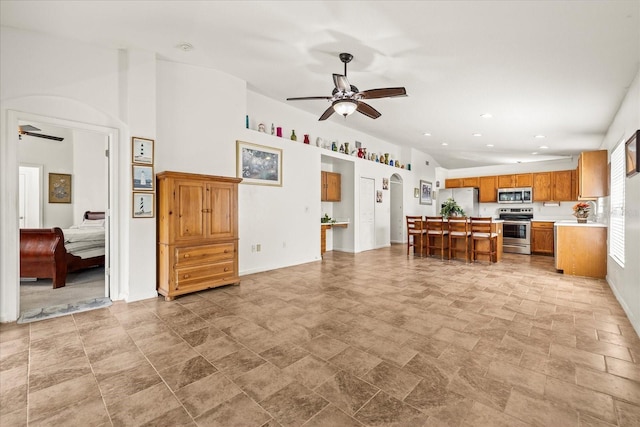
<point>93,215</point>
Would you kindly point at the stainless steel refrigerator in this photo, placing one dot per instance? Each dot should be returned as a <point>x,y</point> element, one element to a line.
<point>466,198</point>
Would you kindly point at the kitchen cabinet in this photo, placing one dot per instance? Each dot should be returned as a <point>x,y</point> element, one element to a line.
<point>197,232</point>
<point>461,182</point>
<point>581,249</point>
<point>453,183</point>
<point>592,175</point>
<point>330,187</point>
<point>542,186</point>
<point>542,237</point>
<point>515,181</point>
<point>488,186</point>
<point>558,186</point>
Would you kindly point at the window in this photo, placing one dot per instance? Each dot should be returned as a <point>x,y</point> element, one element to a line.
<point>616,239</point>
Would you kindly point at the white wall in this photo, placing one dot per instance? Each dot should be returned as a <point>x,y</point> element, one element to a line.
<point>56,157</point>
<point>89,174</point>
<point>625,282</point>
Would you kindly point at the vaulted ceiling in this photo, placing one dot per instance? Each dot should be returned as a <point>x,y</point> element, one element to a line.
<point>557,69</point>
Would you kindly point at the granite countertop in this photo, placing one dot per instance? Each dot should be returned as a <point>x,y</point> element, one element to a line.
<point>574,223</point>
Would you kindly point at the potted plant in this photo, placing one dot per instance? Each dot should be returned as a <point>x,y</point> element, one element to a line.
<point>451,208</point>
<point>581,211</point>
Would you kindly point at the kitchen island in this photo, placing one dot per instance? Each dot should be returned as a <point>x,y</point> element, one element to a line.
<point>581,248</point>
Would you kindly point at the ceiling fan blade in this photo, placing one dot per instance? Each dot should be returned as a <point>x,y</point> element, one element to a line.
<point>388,92</point>
<point>40,135</point>
<point>341,82</point>
<point>368,110</point>
<point>308,97</point>
<point>28,128</point>
<point>327,113</point>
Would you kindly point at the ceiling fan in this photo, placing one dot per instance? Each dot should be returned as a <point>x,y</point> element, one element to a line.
<point>31,131</point>
<point>346,98</point>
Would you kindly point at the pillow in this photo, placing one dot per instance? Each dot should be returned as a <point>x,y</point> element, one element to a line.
<point>89,223</point>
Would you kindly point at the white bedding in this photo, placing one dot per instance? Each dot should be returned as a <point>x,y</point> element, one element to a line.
<point>86,242</point>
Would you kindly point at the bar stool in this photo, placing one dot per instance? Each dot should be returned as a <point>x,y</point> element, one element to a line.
<point>436,227</point>
<point>459,230</point>
<point>415,233</point>
<point>481,231</point>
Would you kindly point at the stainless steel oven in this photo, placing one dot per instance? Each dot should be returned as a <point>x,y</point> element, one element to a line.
<point>516,230</point>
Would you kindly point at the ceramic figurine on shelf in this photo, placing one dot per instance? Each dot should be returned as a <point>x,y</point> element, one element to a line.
<point>341,150</point>
<point>391,162</point>
<point>261,127</point>
<point>306,138</point>
<point>279,131</point>
<point>318,142</point>
<point>334,146</point>
<point>346,147</point>
<point>247,121</point>
<point>293,135</point>
<point>360,153</point>
<point>273,129</point>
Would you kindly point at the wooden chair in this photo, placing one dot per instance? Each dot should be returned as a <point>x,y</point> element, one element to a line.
<point>481,231</point>
<point>459,230</point>
<point>436,227</point>
<point>415,232</point>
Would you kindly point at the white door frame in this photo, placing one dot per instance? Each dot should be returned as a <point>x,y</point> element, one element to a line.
<point>27,197</point>
<point>9,223</point>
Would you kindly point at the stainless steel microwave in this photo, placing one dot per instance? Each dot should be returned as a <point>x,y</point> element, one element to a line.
<point>515,195</point>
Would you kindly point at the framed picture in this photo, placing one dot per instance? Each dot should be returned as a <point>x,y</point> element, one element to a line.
<point>379,196</point>
<point>426,189</point>
<point>257,164</point>
<point>632,155</point>
<point>385,183</point>
<point>143,178</point>
<point>142,150</point>
<point>143,205</point>
<point>59,188</point>
<point>416,192</point>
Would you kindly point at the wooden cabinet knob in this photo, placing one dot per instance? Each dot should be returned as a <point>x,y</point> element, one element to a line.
<point>226,269</point>
<point>186,276</point>
<point>187,255</point>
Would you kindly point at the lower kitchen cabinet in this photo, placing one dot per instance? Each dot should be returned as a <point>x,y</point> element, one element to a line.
<point>581,249</point>
<point>542,238</point>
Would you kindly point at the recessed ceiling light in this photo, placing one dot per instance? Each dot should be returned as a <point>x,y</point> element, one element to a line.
<point>477,134</point>
<point>540,136</point>
<point>534,153</point>
<point>543,147</point>
<point>486,115</point>
<point>444,143</point>
<point>426,134</point>
<point>489,145</point>
<point>184,46</point>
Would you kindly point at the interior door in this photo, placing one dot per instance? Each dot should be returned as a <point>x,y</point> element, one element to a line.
<point>397,209</point>
<point>29,196</point>
<point>367,214</point>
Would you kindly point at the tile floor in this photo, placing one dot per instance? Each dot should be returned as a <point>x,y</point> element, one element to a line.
<point>376,339</point>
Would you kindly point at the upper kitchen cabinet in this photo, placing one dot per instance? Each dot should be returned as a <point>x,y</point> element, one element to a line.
<point>592,175</point>
<point>461,182</point>
<point>453,183</point>
<point>515,181</point>
<point>488,189</point>
<point>558,186</point>
<point>331,187</point>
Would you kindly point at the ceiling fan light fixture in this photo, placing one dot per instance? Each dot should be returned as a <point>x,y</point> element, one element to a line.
<point>345,107</point>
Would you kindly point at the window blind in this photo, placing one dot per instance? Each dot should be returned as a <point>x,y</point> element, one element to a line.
<point>616,218</point>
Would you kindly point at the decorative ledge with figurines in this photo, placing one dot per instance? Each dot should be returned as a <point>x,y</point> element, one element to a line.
<point>345,148</point>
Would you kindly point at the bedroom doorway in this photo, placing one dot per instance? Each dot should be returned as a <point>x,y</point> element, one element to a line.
<point>79,154</point>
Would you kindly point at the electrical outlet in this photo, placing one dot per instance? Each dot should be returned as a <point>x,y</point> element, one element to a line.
<point>258,247</point>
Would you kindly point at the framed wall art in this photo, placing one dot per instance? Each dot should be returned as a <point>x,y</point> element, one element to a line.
<point>632,156</point>
<point>385,183</point>
<point>426,189</point>
<point>59,188</point>
<point>257,164</point>
<point>143,178</point>
<point>143,205</point>
<point>142,150</point>
<point>378,196</point>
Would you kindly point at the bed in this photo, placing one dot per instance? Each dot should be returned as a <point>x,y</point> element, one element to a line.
<point>51,253</point>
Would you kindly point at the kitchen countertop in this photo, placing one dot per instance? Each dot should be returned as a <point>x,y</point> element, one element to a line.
<point>574,223</point>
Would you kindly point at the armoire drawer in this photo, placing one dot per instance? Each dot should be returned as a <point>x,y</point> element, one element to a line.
<point>187,276</point>
<point>204,253</point>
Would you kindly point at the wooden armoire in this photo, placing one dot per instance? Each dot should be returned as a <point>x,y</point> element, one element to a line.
<point>197,232</point>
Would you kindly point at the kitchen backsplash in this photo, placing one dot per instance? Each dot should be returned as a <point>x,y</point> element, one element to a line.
<point>551,213</point>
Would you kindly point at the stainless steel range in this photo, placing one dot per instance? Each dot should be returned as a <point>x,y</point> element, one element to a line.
<point>516,229</point>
